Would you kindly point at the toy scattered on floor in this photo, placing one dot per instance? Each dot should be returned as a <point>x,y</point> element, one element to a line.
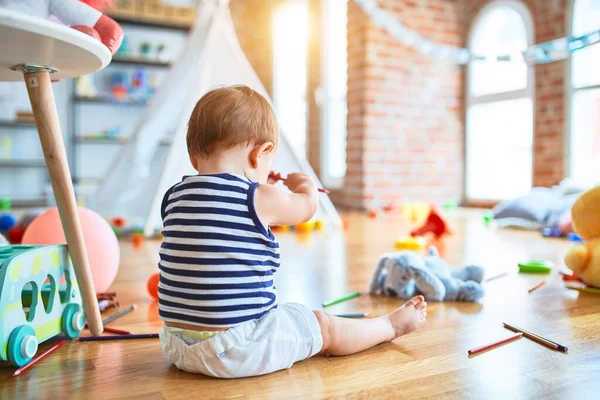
<point>372,214</point>
<point>302,227</point>
<point>100,241</point>
<point>450,206</point>
<point>552,232</point>
<point>35,306</point>
<point>137,241</point>
<point>406,274</point>
<point>7,219</point>
<point>409,243</point>
<point>152,285</point>
<point>346,224</point>
<point>536,267</point>
<point>573,237</point>
<point>3,241</point>
<point>584,258</point>
<point>280,228</point>
<point>15,234</point>
<point>435,224</point>
<point>119,222</point>
<point>488,217</point>
<point>107,300</point>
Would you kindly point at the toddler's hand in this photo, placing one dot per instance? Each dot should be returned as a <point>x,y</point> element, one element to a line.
<point>300,183</point>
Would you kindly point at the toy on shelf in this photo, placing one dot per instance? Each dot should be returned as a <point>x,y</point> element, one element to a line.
<point>161,53</point>
<point>5,147</point>
<point>120,86</point>
<point>124,49</point>
<point>584,258</point>
<point>435,224</point>
<point>100,241</point>
<point>406,274</point>
<point>409,243</point>
<point>39,299</point>
<point>7,219</point>
<point>145,49</point>
<point>152,285</point>
<point>85,86</point>
<point>536,267</point>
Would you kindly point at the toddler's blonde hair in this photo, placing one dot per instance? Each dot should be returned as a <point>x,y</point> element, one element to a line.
<point>230,116</point>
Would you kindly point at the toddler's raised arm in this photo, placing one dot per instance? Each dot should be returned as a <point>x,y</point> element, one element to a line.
<point>276,207</point>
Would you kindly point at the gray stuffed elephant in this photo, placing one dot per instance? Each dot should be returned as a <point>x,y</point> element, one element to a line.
<point>405,274</point>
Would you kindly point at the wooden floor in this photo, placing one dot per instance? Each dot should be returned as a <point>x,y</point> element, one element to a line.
<point>431,362</point>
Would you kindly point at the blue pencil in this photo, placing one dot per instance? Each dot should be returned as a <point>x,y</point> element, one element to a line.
<point>353,315</point>
<point>118,337</point>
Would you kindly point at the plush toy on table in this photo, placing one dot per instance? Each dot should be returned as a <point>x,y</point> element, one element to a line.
<point>584,258</point>
<point>406,274</point>
<point>83,15</point>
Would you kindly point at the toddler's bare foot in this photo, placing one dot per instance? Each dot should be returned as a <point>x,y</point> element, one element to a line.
<point>409,316</point>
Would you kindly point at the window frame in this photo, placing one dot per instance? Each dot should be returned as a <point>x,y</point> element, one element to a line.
<point>570,91</point>
<point>470,100</point>
<point>323,100</point>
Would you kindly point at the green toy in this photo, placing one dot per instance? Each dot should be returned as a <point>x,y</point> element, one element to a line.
<point>29,315</point>
<point>536,267</point>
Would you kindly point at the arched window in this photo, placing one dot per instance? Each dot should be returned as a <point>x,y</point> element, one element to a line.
<point>585,97</point>
<point>290,46</point>
<point>499,124</point>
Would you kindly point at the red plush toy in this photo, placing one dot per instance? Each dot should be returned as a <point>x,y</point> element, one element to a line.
<point>83,15</point>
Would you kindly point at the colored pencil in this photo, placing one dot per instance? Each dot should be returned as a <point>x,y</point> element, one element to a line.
<point>38,358</point>
<point>537,338</point>
<point>119,314</point>
<point>537,286</point>
<point>341,299</point>
<point>116,330</point>
<point>118,337</point>
<point>496,276</point>
<point>488,346</point>
<point>353,315</point>
<point>583,289</point>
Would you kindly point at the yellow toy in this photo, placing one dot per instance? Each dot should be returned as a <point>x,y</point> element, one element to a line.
<point>584,258</point>
<point>304,227</point>
<point>409,243</point>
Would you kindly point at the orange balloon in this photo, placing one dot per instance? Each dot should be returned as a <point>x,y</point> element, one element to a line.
<point>100,242</point>
<point>152,285</point>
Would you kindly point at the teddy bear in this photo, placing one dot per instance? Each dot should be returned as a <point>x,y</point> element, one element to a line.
<point>405,274</point>
<point>82,15</point>
<point>584,258</point>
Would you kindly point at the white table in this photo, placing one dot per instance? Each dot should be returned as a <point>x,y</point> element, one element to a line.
<point>39,51</point>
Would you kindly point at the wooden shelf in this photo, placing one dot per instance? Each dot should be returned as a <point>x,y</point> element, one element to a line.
<point>22,163</point>
<point>107,140</point>
<point>90,140</point>
<point>33,202</point>
<point>109,100</point>
<point>151,23</point>
<point>148,62</point>
<point>17,124</point>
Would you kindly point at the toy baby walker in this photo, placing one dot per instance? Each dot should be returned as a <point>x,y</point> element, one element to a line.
<point>39,299</point>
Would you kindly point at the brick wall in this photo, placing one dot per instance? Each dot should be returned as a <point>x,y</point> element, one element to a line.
<point>549,19</point>
<point>405,118</point>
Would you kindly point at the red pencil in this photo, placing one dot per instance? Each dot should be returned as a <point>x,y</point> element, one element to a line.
<point>116,330</point>
<point>478,350</point>
<point>38,358</point>
<point>537,286</point>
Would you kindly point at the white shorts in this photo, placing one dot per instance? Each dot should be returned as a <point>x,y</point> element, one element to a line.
<point>285,335</point>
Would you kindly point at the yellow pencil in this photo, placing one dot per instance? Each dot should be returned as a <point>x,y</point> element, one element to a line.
<point>583,289</point>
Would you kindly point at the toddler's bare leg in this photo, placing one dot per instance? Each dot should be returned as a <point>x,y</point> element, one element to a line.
<point>343,336</point>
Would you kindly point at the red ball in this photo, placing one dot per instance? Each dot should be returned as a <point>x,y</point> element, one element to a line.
<point>15,234</point>
<point>152,285</point>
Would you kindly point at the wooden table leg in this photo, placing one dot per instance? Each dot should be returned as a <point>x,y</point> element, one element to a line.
<point>41,97</point>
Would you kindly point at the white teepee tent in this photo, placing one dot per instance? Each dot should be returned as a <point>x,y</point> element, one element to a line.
<point>145,168</point>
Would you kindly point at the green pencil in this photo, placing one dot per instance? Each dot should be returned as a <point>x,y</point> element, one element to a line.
<point>583,289</point>
<point>341,299</point>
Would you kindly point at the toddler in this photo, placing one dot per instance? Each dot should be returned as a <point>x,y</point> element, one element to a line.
<point>218,257</point>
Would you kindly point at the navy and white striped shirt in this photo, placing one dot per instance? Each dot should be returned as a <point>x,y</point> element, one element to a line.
<point>217,259</point>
